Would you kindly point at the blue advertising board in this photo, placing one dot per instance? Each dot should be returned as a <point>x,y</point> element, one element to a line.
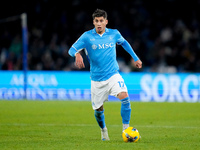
<point>64,85</point>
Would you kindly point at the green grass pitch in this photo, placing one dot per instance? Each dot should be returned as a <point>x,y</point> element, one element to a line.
<point>70,125</point>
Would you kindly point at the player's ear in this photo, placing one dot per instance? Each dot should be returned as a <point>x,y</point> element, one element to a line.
<point>106,21</point>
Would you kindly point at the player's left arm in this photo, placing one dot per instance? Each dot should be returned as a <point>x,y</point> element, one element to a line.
<point>137,62</point>
<point>125,44</point>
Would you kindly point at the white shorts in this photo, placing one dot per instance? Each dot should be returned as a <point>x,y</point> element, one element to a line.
<point>101,89</point>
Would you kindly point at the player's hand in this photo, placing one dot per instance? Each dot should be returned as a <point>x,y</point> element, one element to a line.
<point>137,64</point>
<point>79,61</point>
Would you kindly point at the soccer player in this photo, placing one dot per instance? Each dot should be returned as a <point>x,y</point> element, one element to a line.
<point>100,47</point>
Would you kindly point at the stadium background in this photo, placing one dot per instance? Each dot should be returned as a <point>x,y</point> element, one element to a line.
<point>164,34</point>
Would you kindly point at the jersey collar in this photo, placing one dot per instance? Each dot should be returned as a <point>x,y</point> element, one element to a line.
<point>94,30</point>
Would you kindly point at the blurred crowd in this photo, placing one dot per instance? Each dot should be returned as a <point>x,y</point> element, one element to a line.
<point>164,34</point>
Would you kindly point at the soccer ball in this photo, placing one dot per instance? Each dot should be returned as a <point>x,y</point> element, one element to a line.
<point>131,134</point>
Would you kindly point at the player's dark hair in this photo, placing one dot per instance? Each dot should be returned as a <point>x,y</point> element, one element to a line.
<point>99,13</point>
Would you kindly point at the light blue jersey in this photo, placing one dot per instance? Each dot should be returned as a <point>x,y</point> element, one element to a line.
<point>101,50</point>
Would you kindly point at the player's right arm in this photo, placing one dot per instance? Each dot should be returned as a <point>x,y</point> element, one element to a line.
<point>75,49</point>
<point>79,61</point>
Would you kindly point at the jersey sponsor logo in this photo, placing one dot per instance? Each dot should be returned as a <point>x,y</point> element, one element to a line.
<point>103,46</point>
<point>94,47</point>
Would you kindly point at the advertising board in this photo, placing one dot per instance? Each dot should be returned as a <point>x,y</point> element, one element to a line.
<point>60,85</point>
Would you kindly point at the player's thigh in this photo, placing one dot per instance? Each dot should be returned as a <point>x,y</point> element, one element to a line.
<point>117,85</point>
<point>99,94</point>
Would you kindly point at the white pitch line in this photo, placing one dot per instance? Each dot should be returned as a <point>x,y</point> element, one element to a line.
<point>91,125</point>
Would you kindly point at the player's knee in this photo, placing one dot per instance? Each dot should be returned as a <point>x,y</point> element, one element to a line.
<point>122,95</point>
<point>100,108</point>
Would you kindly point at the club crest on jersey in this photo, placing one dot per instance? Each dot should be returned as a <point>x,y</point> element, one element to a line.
<point>110,38</point>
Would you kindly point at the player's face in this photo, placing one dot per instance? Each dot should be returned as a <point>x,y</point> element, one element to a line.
<point>100,24</point>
